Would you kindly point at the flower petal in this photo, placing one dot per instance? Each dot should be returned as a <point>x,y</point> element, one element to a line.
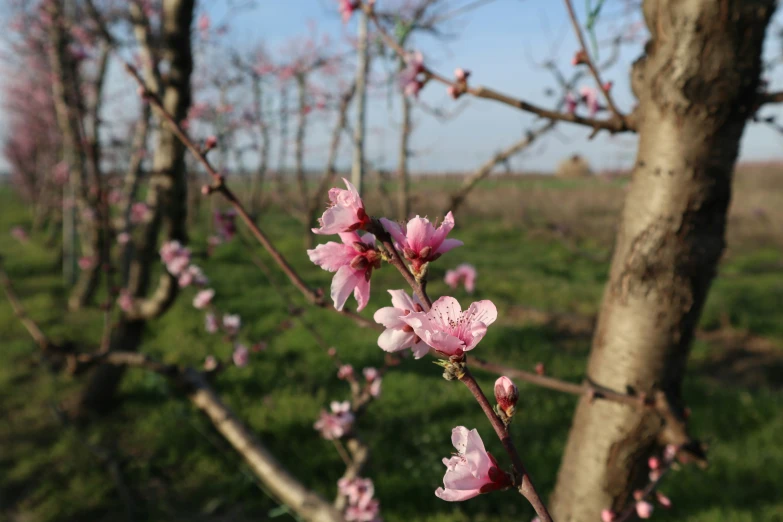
<point>445,311</point>
<point>400,299</point>
<point>448,244</point>
<point>419,233</point>
<point>362,292</point>
<point>451,495</point>
<point>344,282</point>
<point>331,256</point>
<point>443,230</point>
<point>395,231</point>
<point>389,317</point>
<point>392,340</point>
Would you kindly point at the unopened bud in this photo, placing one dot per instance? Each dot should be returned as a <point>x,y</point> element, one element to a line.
<point>540,368</point>
<point>210,143</point>
<point>506,395</point>
<point>644,509</point>
<point>654,463</point>
<point>663,500</point>
<point>607,515</point>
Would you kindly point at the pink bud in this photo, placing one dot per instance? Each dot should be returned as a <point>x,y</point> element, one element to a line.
<point>638,494</point>
<point>669,452</point>
<point>607,515</point>
<point>210,143</point>
<point>345,372</point>
<point>540,368</point>
<point>608,86</point>
<point>332,352</point>
<point>453,93</point>
<point>210,363</point>
<point>579,58</point>
<point>655,475</point>
<point>644,509</point>
<point>654,463</point>
<point>206,189</point>
<point>663,500</point>
<point>506,395</point>
<point>461,74</point>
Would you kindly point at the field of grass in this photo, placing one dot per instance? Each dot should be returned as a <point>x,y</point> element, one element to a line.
<point>536,243</point>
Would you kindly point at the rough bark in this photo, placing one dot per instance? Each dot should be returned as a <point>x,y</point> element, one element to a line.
<point>696,85</point>
<point>362,70</point>
<point>166,197</point>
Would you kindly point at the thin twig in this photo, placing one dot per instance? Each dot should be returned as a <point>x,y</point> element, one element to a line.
<point>35,332</point>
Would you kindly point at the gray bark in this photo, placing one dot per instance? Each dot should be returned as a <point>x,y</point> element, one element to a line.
<point>696,85</point>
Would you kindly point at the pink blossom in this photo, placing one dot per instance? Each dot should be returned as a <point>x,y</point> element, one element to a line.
<point>399,334</point>
<point>139,212</point>
<point>203,298</point>
<point>175,256</point>
<point>345,212</point>
<point>420,241</point>
<point>125,301</point>
<point>644,509</point>
<point>61,173</point>
<point>336,424</point>
<point>210,323</point>
<point>203,24</point>
<point>192,275</point>
<point>370,373</point>
<point>19,234</point>
<point>345,372</point>
<point>240,356</point>
<point>448,329</point>
<point>375,388</point>
<point>359,494</point>
<point>463,273</point>
<point>353,262</point>
<point>654,463</point>
<point>346,9</point>
<point>231,323</point>
<point>669,452</point>
<point>115,196</point>
<point>123,238</point>
<point>607,86</point>
<point>607,515</point>
<point>570,103</point>
<point>472,471</point>
<point>663,500</point>
<point>461,74</point>
<point>409,77</point>
<point>210,143</point>
<point>506,395</point>
<point>210,363</point>
<point>86,262</point>
<point>590,97</point>
<point>540,369</point>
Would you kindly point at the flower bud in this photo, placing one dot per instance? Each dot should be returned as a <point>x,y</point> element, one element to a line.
<point>654,463</point>
<point>210,143</point>
<point>644,509</point>
<point>663,500</point>
<point>506,395</point>
<point>607,515</point>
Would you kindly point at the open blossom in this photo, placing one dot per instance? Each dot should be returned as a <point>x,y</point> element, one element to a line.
<point>399,334</point>
<point>345,212</point>
<point>192,275</point>
<point>450,330</point>
<point>231,323</point>
<point>644,509</point>
<point>472,471</point>
<point>353,261</point>
<point>345,372</point>
<point>420,241</point>
<point>175,256</point>
<point>607,515</point>
<point>464,273</point>
<point>210,323</point>
<point>203,298</point>
<point>240,356</point>
<point>409,77</point>
<point>337,423</point>
<point>374,380</point>
<point>362,507</point>
<point>139,212</point>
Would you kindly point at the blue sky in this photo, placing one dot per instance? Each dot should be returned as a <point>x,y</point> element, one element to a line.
<point>499,43</point>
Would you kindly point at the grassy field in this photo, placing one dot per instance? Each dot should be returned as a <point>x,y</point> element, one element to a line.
<point>539,243</point>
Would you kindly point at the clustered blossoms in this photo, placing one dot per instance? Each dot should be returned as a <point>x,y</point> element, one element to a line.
<point>358,492</point>
<point>465,274</point>
<point>472,471</point>
<point>420,241</point>
<point>336,424</point>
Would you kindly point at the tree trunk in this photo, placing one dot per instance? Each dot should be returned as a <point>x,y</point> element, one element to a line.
<point>696,86</point>
<point>362,70</point>
<point>166,197</point>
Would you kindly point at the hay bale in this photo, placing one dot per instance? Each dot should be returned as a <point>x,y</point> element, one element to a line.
<point>574,167</point>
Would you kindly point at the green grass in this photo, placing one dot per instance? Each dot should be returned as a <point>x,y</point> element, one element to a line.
<point>178,468</point>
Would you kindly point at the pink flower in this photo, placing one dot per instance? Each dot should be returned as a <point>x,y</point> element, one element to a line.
<point>123,238</point>
<point>669,452</point>
<point>345,372</point>
<point>361,506</point>
<point>139,212</point>
<point>472,471</point>
<point>353,262</point>
<point>210,363</point>
<point>203,24</point>
<point>192,275</point>
<point>175,256</point>
<point>420,241</point>
<point>203,298</point>
<point>210,323</point>
<point>399,334</point>
<point>654,463</point>
<point>570,103</point>
<point>375,388</point>
<point>663,500</point>
<point>540,369</point>
<point>590,97</point>
<point>463,273</point>
<point>336,424</point>
<point>345,213</point>
<point>86,262</point>
<point>346,9</point>
<point>644,509</point>
<point>125,301</point>
<point>370,373</point>
<point>607,86</point>
<point>409,77</point>
<point>61,173</point>
<point>231,323</point>
<point>19,234</point>
<point>607,515</point>
<point>448,329</point>
<point>506,395</point>
<point>461,74</point>
<point>240,356</point>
